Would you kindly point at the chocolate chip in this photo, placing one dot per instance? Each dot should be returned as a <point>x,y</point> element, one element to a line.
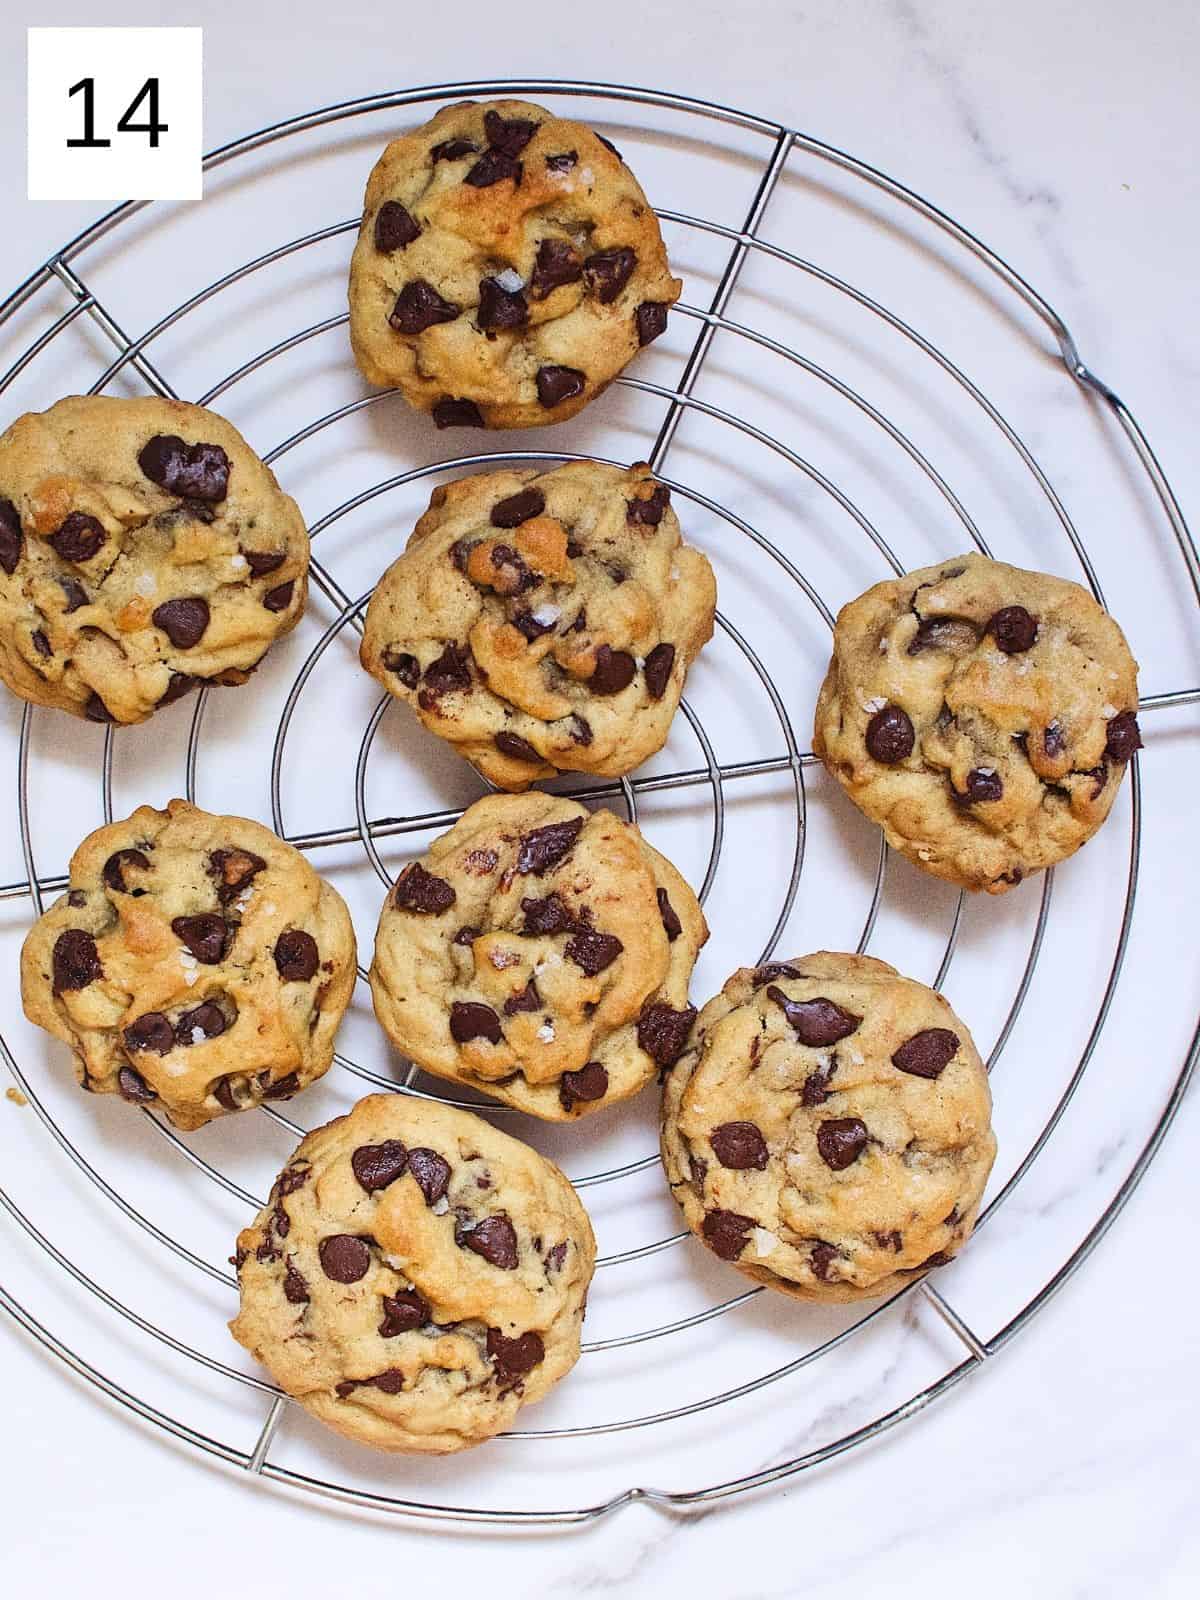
<point>526,623</point>
<point>815,1091</point>
<point>419,306</point>
<point>40,643</point>
<point>469,1019</point>
<point>563,162</point>
<point>344,1258</point>
<point>113,871</point>
<point>150,1031</point>
<point>670,920</point>
<point>423,893</point>
<point>773,971</point>
<point>513,1358</point>
<point>403,1312</point>
<point>510,134</point>
<point>1124,737</point>
<point>556,263</point>
<point>450,672</point>
<point>610,147</point>
<point>592,951</point>
<point>518,508</point>
<point>1013,629</point>
<point>1099,777</point>
<point>555,1256</point>
<point>890,1240</point>
<point>739,1146</point>
<point>132,1086</point>
<point>207,1017</point>
<point>927,1053</point>
<point>495,1239</point>
<point>943,633</point>
<point>466,935</point>
<point>280,598</point>
<point>543,848</point>
<point>890,736</point>
<point>453,150</point>
<point>431,1173</point>
<point>75,593</point>
<point>581,729</point>
<point>589,1083</point>
<point>983,786</point>
<point>96,711</point>
<point>1053,741</point>
<point>194,472</point>
<point>224,1095</point>
<point>817,1022</point>
<point>79,537</point>
<point>289,1180</point>
<point>493,166</point>
<point>558,384</point>
<point>526,999</point>
<point>840,1141</point>
<point>821,1258</point>
<point>663,1032</point>
<point>76,898</point>
<point>281,1089</point>
<point>512,574</point>
<point>651,320</point>
<point>233,871</point>
<point>510,744</point>
<point>11,538</point>
<point>296,955</point>
<point>295,1287</point>
<point>407,668</point>
<point>658,669</point>
<point>725,1233</point>
<point>178,684</point>
<point>183,621</point>
<point>204,935</point>
<point>75,960</point>
<point>395,227</point>
<point>547,916</point>
<point>261,562</point>
<point>377,1165</point>
<point>608,271</point>
<point>613,672</point>
<point>457,414</point>
<point>500,308</point>
<point>648,510</point>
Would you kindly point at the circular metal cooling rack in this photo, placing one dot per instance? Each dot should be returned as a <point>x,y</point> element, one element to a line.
<point>261,1454</point>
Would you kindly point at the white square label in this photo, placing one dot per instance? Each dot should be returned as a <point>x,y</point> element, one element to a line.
<point>115,113</point>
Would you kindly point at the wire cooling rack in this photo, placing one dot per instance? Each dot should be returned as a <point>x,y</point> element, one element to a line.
<point>818,411</point>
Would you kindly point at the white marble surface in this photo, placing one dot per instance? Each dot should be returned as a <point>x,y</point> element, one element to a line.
<point>1065,135</point>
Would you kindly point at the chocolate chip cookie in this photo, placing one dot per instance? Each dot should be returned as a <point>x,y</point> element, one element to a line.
<point>196,963</point>
<point>539,952</point>
<point>828,1130</point>
<point>508,267</point>
<point>544,621</point>
<point>144,550</point>
<point>982,714</point>
<point>416,1277</point>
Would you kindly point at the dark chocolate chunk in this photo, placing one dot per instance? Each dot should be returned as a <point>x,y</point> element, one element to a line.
<point>457,414</point>
<point>261,562</point>
<point>344,1258</point>
<point>658,670</point>
<point>11,537</point>
<point>613,672</point>
<point>453,150</point>
<point>403,1312</point>
<point>406,667</point>
<point>840,1141</point>
<point>431,1173</point>
<point>1124,737</point>
<point>469,1019</point>
<point>395,227</point>
<point>500,308</point>
<point>608,271</point>
<point>662,1032</point>
<point>193,472</point>
<point>133,1087</point>
<point>651,320</point>
<point>113,871</point>
<point>184,621</point>
<point>495,1239</point>
<point>725,1233</point>
<point>592,951</point>
<point>818,1022</point>
<point>648,510</point>
<point>422,892</point>
<point>547,916</point>
<point>518,749</point>
<point>739,1146</point>
<point>208,1018</point>
<point>79,537</point>
<point>589,1083</point>
<point>150,1031</point>
<point>279,598</point>
<point>1013,629</point>
<point>493,166</point>
<point>543,848</point>
<point>419,306</point>
<point>513,1358</point>
<point>518,508</point>
<point>928,1053</point>
<point>890,736</point>
<point>205,936</point>
<point>75,961</point>
<point>555,385</point>
<point>670,920</point>
<point>377,1165</point>
<point>296,955</point>
<point>557,262</point>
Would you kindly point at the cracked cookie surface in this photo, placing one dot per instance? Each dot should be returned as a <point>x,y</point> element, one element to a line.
<point>828,1129</point>
<point>144,550</point>
<point>196,964</point>
<point>508,267</point>
<point>544,621</point>
<point>541,953</point>
<point>982,714</point>
<point>416,1277</point>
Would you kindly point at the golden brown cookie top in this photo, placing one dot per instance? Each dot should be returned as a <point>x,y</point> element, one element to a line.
<point>508,267</point>
<point>828,1130</point>
<point>196,963</point>
<point>540,952</point>
<point>416,1276</point>
<point>144,549</point>
<point>983,714</point>
<point>544,621</point>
